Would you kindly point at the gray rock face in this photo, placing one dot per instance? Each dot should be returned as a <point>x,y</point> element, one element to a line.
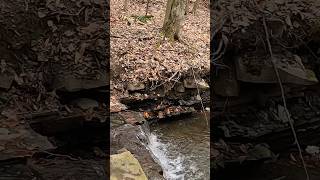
<point>180,88</point>
<point>20,141</point>
<point>132,117</point>
<point>191,83</point>
<point>72,84</point>
<point>136,86</point>
<point>126,136</point>
<point>86,103</point>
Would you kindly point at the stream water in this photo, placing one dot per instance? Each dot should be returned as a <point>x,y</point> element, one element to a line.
<point>181,147</point>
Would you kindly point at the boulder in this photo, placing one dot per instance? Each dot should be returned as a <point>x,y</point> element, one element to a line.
<point>125,166</point>
<point>86,103</point>
<point>71,83</point>
<point>136,86</point>
<point>290,67</point>
<point>192,83</point>
<point>132,117</point>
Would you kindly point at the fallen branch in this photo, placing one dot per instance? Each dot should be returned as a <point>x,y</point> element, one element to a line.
<point>147,8</point>
<point>168,80</point>
<point>198,91</point>
<point>273,61</point>
<point>59,155</point>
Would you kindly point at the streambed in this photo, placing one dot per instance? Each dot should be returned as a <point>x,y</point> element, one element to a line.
<point>181,147</point>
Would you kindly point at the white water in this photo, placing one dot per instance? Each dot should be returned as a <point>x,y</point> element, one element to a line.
<point>173,168</point>
<point>181,149</point>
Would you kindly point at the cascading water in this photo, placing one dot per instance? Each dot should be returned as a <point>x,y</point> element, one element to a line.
<point>181,147</point>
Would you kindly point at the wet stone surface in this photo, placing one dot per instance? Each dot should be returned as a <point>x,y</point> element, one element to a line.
<point>129,137</point>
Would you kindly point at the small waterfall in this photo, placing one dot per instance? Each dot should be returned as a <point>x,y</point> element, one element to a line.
<point>145,128</point>
<point>180,147</point>
<point>172,166</point>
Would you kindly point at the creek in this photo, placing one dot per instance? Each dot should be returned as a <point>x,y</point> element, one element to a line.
<point>181,147</point>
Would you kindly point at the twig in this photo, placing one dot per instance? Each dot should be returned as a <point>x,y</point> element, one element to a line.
<point>225,105</point>
<point>59,155</point>
<point>284,99</point>
<point>198,91</point>
<point>114,36</point>
<point>147,8</point>
<point>165,81</point>
<point>125,5</point>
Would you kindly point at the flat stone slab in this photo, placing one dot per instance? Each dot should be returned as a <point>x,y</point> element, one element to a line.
<point>291,70</point>
<point>125,166</point>
<point>17,139</point>
<point>128,136</point>
<point>63,168</point>
<point>71,84</point>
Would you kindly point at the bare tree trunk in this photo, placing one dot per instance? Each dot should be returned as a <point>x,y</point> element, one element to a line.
<point>187,7</point>
<point>125,5</point>
<point>147,9</point>
<point>174,17</point>
<point>195,7</point>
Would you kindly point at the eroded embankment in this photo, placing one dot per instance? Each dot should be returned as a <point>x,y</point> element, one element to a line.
<point>151,79</point>
<point>251,125</point>
<point>53,83</point>
<point>153,106</point>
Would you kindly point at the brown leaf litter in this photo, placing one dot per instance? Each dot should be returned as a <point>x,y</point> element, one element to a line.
<point>137,54</point>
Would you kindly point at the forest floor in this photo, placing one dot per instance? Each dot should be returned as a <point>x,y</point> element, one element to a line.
<point>139,56</point>
<point>53,56</point>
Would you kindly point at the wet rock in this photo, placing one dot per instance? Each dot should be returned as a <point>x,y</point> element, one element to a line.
<point>116,106</point>
<point>86,103</point>
<point>168,112</point>
<point>136,86</point>
<point>125,165</point>
<point>116,120</point>
<point>191,83</point>
<point>132,117</point>
<point>187,103</point>
<point>126,137</point>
